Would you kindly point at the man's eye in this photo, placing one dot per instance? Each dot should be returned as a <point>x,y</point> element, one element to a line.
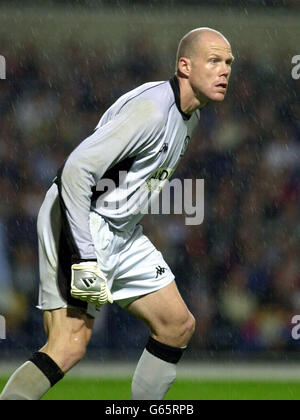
<point>213,60</point>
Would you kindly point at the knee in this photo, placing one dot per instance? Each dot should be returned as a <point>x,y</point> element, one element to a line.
<point>184,329</point>
<point>188,326</point>
<point>66,352</point>
<point>178,331</point>
<point>76,353</point>
<point>74,349</point>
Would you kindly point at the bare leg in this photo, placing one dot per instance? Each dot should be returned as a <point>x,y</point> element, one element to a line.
<point>68,332</point>
<point>171,326</point>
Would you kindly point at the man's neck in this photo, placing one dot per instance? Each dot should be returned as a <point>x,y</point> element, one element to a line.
<point>188,101</point>
<point>176,90</point>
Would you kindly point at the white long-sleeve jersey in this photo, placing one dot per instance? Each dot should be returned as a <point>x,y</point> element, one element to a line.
<point>141,137</point>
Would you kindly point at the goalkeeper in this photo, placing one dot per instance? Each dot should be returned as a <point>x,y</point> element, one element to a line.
<point>92,250</point>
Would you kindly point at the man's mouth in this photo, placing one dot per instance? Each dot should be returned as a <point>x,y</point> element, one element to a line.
<point>222,85</point>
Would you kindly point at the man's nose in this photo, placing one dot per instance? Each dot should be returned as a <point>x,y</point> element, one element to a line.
<point>225,70</point>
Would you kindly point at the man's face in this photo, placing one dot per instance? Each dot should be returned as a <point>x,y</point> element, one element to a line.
<point>210,69</point>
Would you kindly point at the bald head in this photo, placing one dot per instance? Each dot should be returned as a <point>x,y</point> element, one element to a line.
<point>190,44</point>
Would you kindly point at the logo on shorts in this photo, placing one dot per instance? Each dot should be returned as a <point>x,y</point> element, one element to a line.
<point>159,271</point>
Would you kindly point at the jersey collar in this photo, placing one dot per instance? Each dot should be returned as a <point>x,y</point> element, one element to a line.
<point>176,89</point>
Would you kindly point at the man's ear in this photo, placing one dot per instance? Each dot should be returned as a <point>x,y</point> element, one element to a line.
<point>184,66</point>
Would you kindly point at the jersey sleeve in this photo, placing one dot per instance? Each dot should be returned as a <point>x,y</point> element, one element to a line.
<point>131,132</point>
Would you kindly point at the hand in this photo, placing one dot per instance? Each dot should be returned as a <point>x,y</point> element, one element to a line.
<point>89,284</point>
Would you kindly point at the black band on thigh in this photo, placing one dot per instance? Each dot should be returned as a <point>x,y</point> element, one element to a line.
<point>163,351</point>
<point>49,368</point>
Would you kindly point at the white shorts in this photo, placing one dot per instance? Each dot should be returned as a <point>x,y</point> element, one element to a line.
<point>131,263</point>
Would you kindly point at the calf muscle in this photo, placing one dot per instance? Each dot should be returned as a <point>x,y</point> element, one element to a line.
<point>69,331</point>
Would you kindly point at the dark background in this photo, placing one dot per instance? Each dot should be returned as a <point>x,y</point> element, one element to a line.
<point>239,271</point>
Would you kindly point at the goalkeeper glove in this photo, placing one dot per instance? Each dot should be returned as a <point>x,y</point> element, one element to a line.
<point>89,284</point>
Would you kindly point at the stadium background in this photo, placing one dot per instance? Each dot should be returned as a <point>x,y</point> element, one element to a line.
<point>238,271</point>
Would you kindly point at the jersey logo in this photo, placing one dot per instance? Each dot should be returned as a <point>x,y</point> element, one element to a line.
<point>185,145</point>
<point>159,271</point>
<point>164,149</point>
<point>158,179</point>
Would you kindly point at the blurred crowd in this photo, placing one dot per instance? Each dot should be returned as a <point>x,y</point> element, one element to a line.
<point>239,270</point>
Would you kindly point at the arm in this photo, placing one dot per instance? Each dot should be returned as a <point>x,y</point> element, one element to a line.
<point>129,133</point>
